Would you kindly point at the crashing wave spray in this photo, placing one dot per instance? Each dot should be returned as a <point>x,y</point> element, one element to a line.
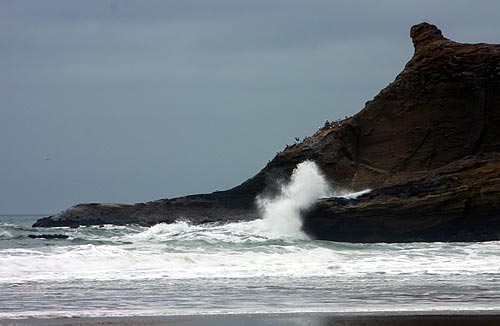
<point>282,214</point>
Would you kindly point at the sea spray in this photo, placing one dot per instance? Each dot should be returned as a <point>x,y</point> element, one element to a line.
<point>282,214</point>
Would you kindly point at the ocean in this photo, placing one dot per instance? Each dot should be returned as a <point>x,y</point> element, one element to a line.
<point>262,266</point>
<point>180,269</point>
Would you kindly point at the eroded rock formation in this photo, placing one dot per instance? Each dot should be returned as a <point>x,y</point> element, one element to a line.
<point>429,144</point>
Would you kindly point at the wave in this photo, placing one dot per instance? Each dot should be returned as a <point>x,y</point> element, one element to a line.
<point>237,250</point>
<point>282,214</point>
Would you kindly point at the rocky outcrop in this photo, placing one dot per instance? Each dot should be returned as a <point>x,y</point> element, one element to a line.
<point>197,209</point>
<point>428,144</point>
<point>458,202</point>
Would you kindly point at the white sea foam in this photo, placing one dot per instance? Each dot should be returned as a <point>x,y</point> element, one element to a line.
<point>282,214</point>
<point>4,234</point>
<point>237,250</point>
<point>237,267</point>
<point>343,193</point>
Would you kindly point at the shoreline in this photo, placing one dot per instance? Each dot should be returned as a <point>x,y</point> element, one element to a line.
<point>394,318</point>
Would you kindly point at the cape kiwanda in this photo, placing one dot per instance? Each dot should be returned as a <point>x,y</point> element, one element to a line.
<point>428,144</point>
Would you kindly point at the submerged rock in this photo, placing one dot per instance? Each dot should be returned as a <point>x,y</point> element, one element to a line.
<point>48,236</point>
<point>429,144</point>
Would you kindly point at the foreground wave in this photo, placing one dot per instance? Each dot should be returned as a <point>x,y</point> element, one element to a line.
<point>236,250</point>
<point>233,268</point>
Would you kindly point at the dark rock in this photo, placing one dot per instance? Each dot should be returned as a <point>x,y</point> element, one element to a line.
<point>429,144</point>
<point>458,202</point>
<point>197,209</point>
<point>48,236</point>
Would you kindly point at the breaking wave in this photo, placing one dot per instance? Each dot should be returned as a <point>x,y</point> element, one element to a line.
<point>283,213</point>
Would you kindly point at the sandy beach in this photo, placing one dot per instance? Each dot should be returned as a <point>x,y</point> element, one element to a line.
<point>316,319</point>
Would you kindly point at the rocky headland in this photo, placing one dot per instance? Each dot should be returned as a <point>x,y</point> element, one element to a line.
<point>428,145</point>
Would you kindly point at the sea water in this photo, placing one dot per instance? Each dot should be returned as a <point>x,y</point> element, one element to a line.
<point>262,266</point>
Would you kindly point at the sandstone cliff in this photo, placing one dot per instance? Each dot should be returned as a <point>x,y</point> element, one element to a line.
<point>429,144</point>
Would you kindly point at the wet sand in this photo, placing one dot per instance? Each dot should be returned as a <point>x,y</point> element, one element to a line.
<point>307,319</point>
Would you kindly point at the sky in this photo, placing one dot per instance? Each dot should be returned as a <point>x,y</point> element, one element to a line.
<point>132,101</point>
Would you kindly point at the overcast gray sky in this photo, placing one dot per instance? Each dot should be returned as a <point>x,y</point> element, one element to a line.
<point>130,101</point>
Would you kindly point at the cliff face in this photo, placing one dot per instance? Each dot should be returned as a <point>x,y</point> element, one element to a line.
<point>428,143</point>
<point>444,106</point>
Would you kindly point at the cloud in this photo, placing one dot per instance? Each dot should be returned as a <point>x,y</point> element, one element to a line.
<point>147,99</point>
